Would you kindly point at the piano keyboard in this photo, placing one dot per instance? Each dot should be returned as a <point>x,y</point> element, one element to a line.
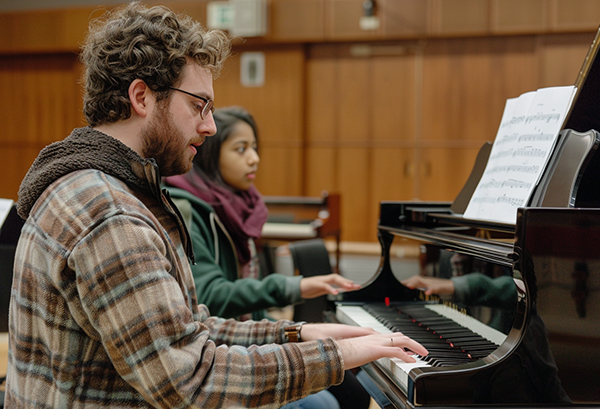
<point>451,337</point>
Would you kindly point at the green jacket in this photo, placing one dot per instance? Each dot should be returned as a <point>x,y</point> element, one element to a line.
<point>216,272</point>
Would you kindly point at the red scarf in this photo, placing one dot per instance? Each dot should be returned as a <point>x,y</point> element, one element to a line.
<point>242,212</point>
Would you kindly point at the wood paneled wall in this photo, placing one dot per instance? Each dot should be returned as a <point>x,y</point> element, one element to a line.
<point>278,107</point>
<point>40,102</point>
<point>398,113</point>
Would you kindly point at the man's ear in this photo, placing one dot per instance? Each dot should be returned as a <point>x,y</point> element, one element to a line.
<point>141,97</point>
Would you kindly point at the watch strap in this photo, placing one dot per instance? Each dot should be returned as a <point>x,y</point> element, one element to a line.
<point>293,332</point>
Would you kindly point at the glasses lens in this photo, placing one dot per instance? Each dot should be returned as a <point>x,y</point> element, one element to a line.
<point>208,107</point>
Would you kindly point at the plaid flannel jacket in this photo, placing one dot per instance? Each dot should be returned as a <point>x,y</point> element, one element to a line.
<point>103,312</point>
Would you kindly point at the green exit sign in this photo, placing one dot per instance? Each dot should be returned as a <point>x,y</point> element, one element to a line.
<point>220,15</point>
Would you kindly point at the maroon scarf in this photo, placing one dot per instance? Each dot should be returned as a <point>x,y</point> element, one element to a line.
<point>242,212</point>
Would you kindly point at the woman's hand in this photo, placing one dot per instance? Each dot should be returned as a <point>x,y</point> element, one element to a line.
<point>431,285</point>
<point>312,287</point>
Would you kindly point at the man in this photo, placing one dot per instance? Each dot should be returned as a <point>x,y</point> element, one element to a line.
<point>103,309</point>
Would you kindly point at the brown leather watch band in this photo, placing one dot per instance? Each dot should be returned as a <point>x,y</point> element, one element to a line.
<point>293,332</point>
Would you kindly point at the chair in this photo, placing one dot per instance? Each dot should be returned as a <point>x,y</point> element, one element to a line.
<point>10,231</point>
<point>310,258</point>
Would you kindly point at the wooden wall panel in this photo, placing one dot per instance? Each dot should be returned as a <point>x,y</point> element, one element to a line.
<point>393,99</point>
<point>406,18</point>
<point>443,171</point>
<point>360,106</point>
<point>353,88</point>
<point>466,83</point>
<point>397,18</point>
<point>321,171</point>
<point>298,19</point>
<point>355,190</point>
<point>278,109</point>
<point>459,17</point>
<point>40,97</point>
<point>196,9</point>
<point>45,30</point>
<point>280,171</point>
<point>317,21</point>
<point>40,102</point>
<point>392,176</point>
<point>321,163</point>
<point>15,162</point>
<point>518,16</point>
<point>321,97</point>
<point>577,15</point>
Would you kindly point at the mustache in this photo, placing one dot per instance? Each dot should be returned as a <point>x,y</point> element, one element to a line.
<point>198,141</point>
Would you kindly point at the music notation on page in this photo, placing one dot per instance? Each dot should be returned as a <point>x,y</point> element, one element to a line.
<point>525,140</point>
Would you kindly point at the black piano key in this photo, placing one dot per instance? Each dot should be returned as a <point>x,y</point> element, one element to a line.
<point>448,342</point>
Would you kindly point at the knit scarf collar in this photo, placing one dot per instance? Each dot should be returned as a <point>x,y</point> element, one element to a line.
<point>86,148</point>
<point>243,213</point>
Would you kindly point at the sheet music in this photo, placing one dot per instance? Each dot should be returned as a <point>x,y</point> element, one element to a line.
<point>527,134</point>
<point>5,206</point>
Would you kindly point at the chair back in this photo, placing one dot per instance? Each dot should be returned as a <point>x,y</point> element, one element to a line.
<point>310,258</point>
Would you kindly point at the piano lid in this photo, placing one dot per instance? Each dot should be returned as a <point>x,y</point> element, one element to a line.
<point>584,113</point>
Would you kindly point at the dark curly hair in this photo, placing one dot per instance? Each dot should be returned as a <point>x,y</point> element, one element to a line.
<point>152,44</point>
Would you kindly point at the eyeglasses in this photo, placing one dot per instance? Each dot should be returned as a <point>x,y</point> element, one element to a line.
<point>206,108</point>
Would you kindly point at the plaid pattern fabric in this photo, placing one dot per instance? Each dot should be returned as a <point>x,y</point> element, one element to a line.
<point>103,313</point>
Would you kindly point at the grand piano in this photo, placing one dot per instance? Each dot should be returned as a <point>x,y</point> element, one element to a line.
<point>529,334</point>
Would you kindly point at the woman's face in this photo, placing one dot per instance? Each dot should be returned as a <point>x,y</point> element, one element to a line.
<point>238,161</point>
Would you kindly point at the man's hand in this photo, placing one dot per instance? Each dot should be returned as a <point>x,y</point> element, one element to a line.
<point>312,287</point>
<point>311,332</point>
<point>363,345</point>
<point>362,350</point>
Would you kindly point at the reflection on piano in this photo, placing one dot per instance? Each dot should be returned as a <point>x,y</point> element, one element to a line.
<point>298,218</point>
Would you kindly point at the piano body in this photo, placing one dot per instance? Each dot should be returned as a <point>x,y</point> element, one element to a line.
<point>533,303</point>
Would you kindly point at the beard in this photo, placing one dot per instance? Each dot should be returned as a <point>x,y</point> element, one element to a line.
<point>166,144</point>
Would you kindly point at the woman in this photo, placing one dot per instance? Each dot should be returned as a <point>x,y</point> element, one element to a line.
<point>225,215</point>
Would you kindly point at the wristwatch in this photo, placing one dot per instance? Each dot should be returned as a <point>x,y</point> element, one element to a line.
<point>293,332</point>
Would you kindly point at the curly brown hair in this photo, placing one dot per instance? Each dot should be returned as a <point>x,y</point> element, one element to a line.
<point>152,44</point>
